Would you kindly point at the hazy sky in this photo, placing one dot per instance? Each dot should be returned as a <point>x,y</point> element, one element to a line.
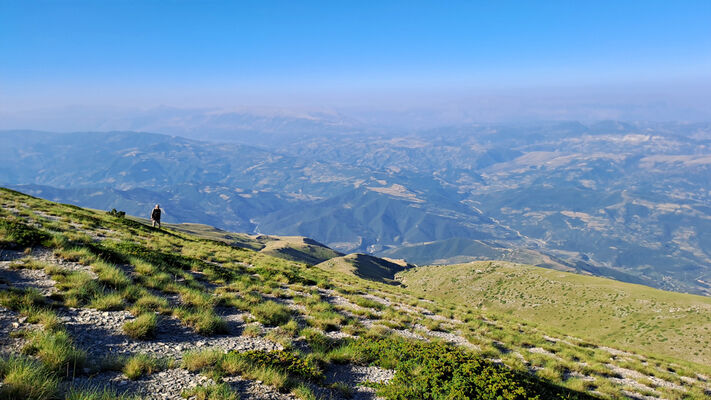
<point>351,53</point>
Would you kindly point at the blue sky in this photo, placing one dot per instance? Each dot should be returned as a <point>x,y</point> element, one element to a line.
<point>227,53</point>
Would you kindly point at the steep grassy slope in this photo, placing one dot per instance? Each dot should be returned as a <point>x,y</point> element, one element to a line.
<point>600,310</point>
<point>88,298</point>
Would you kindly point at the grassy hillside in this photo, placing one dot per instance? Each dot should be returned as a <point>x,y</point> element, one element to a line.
<point>294,248</point>
<point>89,300</point>
<point>365,266</point>
<point>604,311</point>
<point>466,250</point>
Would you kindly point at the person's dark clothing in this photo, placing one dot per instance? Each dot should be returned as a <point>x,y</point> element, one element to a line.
<point>155,214</point>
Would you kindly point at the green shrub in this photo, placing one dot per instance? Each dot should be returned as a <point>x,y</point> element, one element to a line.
<point>143,327</point>
<point>284,361</point>
<point>271,313</point>
<point>438,370</point>
<point>23,378</point>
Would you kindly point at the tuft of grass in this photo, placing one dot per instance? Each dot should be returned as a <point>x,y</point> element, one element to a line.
<point>104,393</point>
<point>327,319</point>
<point>343,388</point>
<point>19,299</point>
<point>253,330</point>
<point>110,301</point>
<point>368,303</point>
<point>201,360</point>
<point>143,327</point>
<point>111,275</point>
<point>197,299</point>
<point>45,317</point>
<point>82,255</point>
<point>149,302</point>
<point>220,391</point>
<point>78,287</point>
<point>56,350</point>
<point>28,263</point>
<point>271,313</point>
<point>291,328</point>
<point>139,365</point>
<point>204,322</point>
<point>303,392</point>
<point>23,378</point>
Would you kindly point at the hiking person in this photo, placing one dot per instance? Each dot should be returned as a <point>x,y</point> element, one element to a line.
<point>155,216</point>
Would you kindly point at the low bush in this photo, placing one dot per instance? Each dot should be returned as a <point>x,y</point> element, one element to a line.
<point>438,370</point>
<point>284,361</point>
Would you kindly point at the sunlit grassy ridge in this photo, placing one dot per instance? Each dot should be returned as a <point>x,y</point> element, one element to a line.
<point>364,266</point>
<point>457,351</point>
<point>294,248</point>
<point>605,311</point>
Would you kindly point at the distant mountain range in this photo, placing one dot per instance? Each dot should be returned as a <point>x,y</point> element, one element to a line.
<point>629,201</point>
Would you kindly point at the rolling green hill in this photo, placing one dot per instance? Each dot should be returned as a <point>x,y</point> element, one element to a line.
<point>600,310</point>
